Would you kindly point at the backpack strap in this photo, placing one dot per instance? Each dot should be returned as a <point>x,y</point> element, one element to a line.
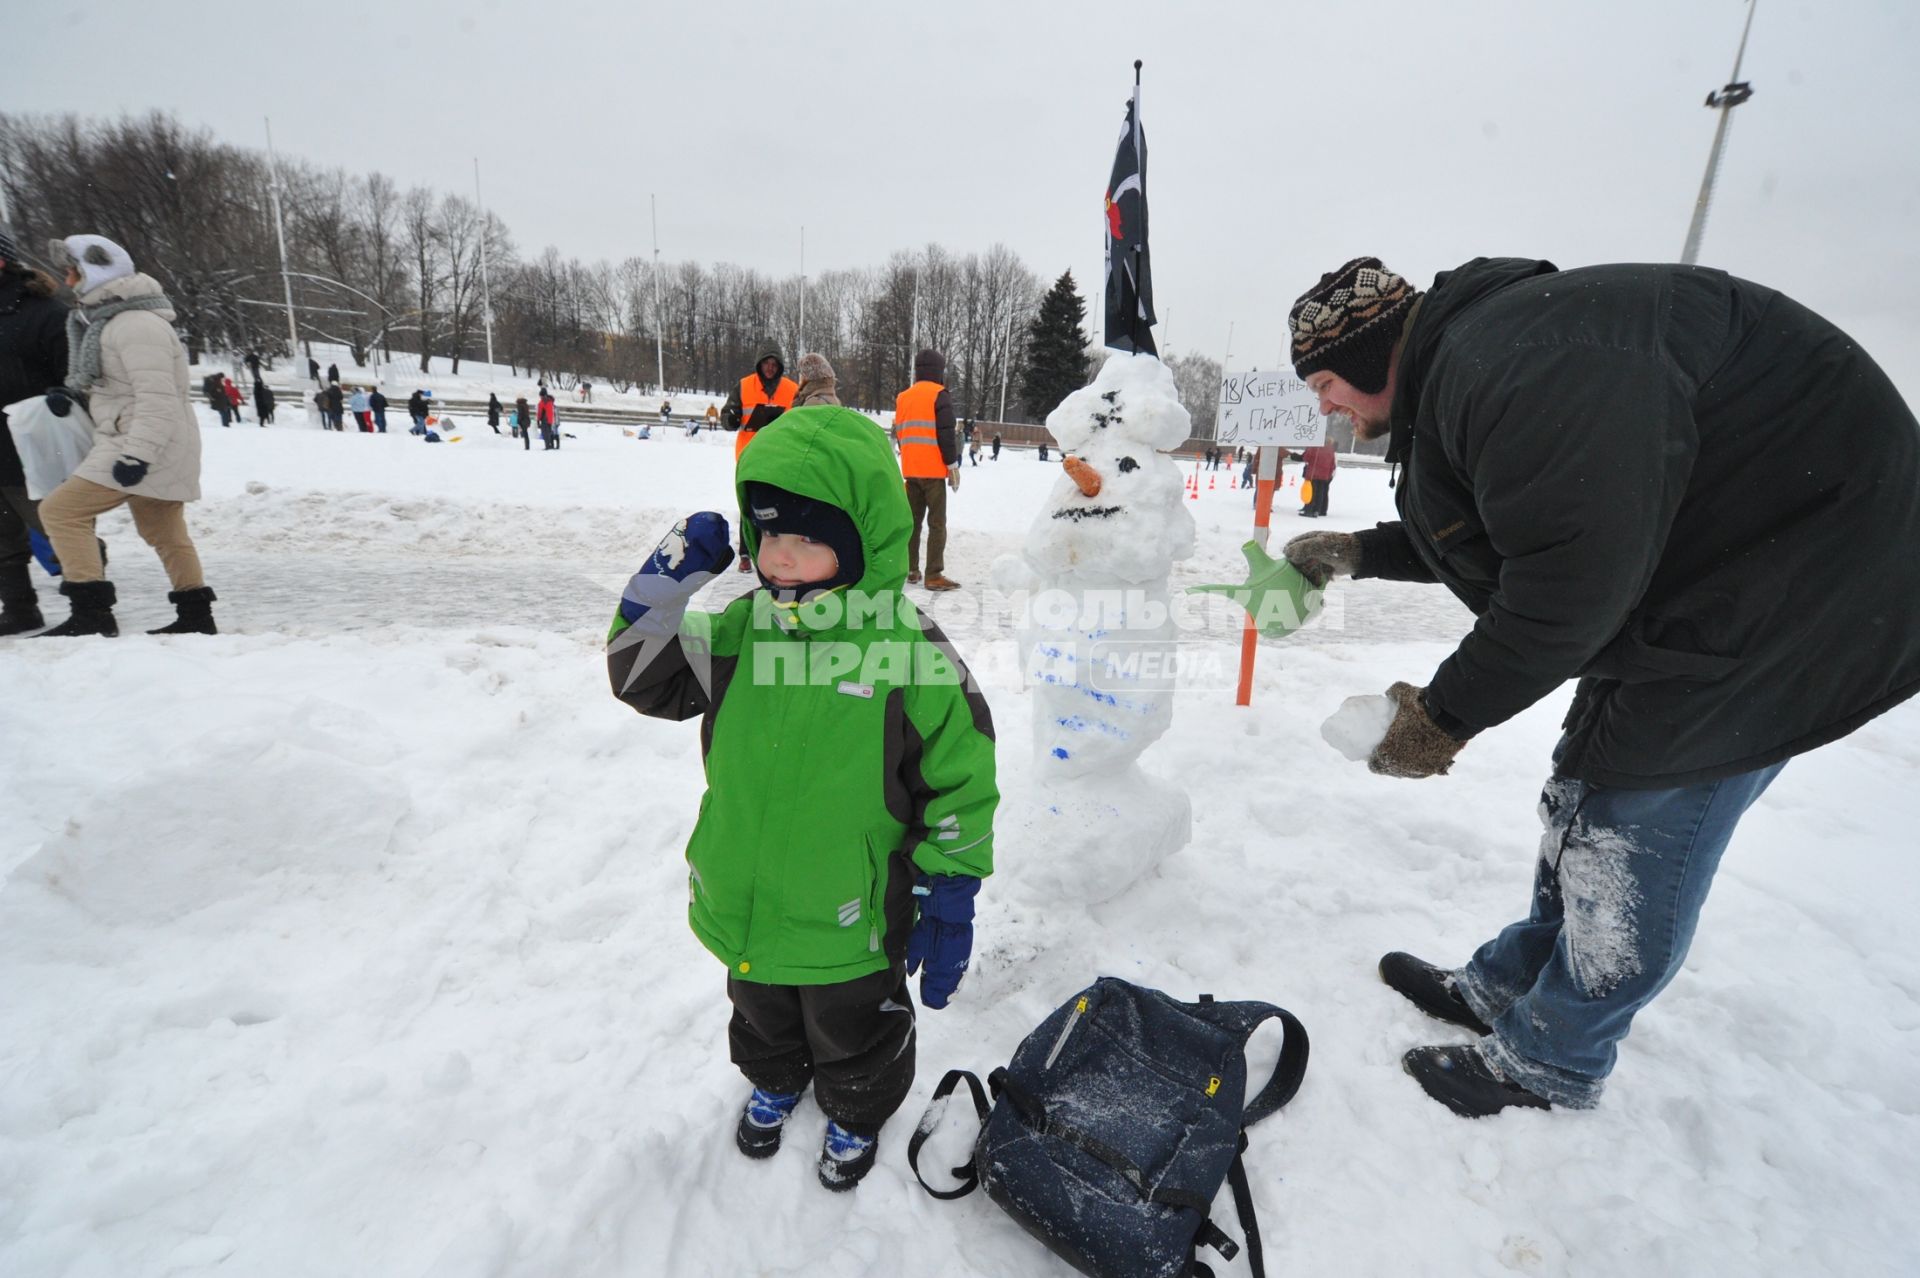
<point>968,1177</point>
<point>1287,1073</point>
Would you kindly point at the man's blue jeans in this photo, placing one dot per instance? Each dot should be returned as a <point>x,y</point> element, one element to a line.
<point>1619,887</point>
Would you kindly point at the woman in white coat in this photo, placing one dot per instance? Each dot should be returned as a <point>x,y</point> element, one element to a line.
<point>126,363</point>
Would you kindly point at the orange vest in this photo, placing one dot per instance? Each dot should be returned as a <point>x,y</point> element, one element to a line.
<point>753,393</point>
<point>913,426</point>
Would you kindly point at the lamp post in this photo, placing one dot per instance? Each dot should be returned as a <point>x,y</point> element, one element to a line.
<point>280,233</point>
<point>486,287</point>
<point>659,351</point>
<point>1725,100</point>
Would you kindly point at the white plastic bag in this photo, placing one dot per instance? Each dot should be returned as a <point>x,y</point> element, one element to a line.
<point>51,448</point>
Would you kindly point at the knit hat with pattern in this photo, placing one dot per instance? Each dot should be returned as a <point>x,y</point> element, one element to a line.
<point>1348,322</point>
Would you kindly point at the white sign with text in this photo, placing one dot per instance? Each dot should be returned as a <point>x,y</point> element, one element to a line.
<point>1274,410</point>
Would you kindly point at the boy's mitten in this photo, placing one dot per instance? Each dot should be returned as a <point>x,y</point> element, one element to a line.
<point>1274,594</point>
<point>1322,556</point>
<point>688,557</point>
<point>942,939</point>
<point>1415,746</point>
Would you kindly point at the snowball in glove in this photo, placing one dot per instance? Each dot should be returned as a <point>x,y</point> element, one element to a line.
<point>1414,746</point>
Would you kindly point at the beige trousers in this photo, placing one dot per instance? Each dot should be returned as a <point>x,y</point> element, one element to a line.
<point>68,513</point>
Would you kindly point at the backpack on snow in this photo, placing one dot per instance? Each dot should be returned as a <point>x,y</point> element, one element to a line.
<point>1115,1124</point>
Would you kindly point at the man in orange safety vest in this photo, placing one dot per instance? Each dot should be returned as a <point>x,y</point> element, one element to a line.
<point>761,396</point>
<point>923,426</point>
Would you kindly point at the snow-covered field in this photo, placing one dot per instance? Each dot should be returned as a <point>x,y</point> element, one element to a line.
<point>351,941</point>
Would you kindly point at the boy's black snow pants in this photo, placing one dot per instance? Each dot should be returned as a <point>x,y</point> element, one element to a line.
<point>854,1041</point>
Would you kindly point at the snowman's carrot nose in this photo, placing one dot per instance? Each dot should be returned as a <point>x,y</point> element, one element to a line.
<point>1084,475</point>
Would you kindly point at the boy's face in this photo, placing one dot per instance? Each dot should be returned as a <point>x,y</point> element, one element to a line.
<point>789,560</point>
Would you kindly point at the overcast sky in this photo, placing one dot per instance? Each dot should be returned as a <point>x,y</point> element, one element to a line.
<point>1284,137</point>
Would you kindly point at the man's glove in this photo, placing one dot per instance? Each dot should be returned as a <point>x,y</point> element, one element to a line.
<point>59,401</point>
<point>1274,594</point>
<point>1414,745</point>
<point>942,939</point>
<point>129,471</point>
<point>1322,556</point>
<point>686,559</point>
<point>953,477</point>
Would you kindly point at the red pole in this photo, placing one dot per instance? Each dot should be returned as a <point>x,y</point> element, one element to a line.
<point>1262,513</point>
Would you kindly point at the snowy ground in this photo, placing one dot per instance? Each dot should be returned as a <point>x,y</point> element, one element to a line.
<point>351,941</point>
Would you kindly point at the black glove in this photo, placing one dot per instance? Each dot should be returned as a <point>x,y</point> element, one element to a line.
<point>59,401</point>
<point>129,471</point>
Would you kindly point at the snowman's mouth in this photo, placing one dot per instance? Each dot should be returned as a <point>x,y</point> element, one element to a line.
<point>1077,513</point>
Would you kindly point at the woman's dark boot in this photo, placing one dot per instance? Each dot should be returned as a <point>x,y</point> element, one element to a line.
<point>19,606</point>
<point>92,611</point>
<point>195,607</point>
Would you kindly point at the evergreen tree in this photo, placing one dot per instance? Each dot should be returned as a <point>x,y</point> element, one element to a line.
<point>1056,349</point>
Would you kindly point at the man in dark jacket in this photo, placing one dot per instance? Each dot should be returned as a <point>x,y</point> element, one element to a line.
<point>1591,461</point>
<point>214,387</point>
<point>417,409</point>
<point>33,358</point>
<point>336,406</point>
<point>377,405</point>
<point>493,411</point>
<point>263,402</point>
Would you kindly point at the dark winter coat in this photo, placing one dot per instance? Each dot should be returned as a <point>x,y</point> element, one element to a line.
<point>493,410</point>
<point>214,388</point>
<point>1686,488</point>
<point>335,401</point>
<point>417,405</point>
<point>333,372</point>
<point>33,354</point>
<point>262,399</point>
<point>376,402</point>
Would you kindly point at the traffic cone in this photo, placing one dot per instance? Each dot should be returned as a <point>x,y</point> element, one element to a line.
<point>1213,481</point>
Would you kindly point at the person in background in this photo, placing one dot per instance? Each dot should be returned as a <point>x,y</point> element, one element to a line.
<point>493,411</point>
<point>333,378</point>
<point>996,449</point>
<point>216,394</point>
<point>336,406</point>
<point>361,407</point>
<point>263,402</point>
<point>232,393</point>
<point>550,420</point>
<point>973,451</point>
<point>313,369</point>
<point>127,364</point>
<point>523,423</point>
<point>586,392</point>
<point>761,396</point>
<point>33,357</point>
<point>818,385</point>
<point>929,463</point>
<point>377,405</point>
<point>1320,461</point>
<point>417,410</point>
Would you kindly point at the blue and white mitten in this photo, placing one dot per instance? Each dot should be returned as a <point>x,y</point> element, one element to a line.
<point>687,558</point>
<point>942,938</point>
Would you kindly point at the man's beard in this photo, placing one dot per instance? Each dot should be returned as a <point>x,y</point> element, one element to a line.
<point>1363,428</point>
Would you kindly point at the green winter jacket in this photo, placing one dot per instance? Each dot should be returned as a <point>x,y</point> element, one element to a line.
<point>844,744</point>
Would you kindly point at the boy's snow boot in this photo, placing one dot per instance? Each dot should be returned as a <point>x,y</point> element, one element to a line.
<point>762,1121</point>
<point>195,607</point>
<point>1459,1077</point>
<point>92,611</point>
<point>1430,989</point>
<point>847,1155</point>
<point>19,606</point>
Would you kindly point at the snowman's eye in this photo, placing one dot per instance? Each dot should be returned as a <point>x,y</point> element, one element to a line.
<point>1128,465</point>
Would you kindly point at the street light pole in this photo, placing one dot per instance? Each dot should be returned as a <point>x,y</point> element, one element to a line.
<point>1725,99</point>
<point>280,233</point>
<point>659,351</point>
<point>803,294</point>
<point>486,287</point>
<point>1006,361</point>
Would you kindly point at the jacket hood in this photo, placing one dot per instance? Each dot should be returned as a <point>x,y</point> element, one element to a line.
<point>780,365</point>
<point>930,366</point>
<point>126,288</point>
<point>1453,294</point>
<point>843,458</point>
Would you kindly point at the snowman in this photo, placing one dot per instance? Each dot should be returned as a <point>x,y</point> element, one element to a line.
<point>1098,637</point>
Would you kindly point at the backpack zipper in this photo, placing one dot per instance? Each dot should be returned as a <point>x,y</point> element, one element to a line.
<point>1073,1018</point>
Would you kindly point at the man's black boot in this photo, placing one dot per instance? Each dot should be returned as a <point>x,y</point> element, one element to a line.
<point>1430,989</point>
<point>92,611</point>
<point>19,606</point>
<point>195,607</point>
<point>1459,1077</point>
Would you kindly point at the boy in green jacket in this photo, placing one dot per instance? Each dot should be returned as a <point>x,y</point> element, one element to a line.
<point>848,817</point>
